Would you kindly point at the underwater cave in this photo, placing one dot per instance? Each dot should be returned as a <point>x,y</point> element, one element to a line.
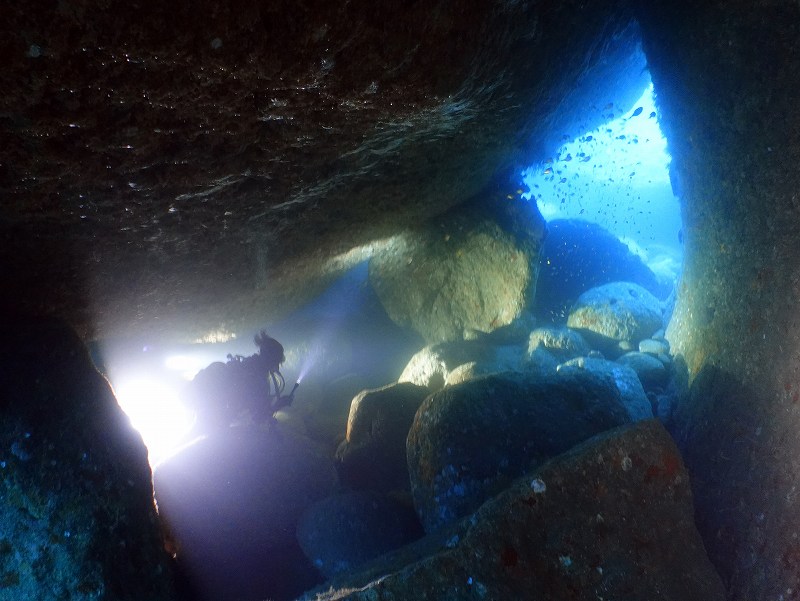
<point>533,269</point>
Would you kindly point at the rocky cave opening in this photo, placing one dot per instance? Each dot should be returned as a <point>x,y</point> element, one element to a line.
<point>215,170</point>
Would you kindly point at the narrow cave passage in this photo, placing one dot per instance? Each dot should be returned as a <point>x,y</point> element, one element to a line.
<point>617,176</point>
<point>609,164</point>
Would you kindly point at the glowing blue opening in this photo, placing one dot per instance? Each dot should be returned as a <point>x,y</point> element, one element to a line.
<point>617,176</point>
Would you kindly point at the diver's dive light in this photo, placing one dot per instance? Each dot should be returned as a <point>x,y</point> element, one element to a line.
<point>296,385</point>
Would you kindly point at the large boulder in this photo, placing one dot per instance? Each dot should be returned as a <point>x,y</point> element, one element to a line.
<point>373,454</point>
<point>470,440</point>
<point>578,255</point>
<point>235,497</point>
<point>612,519</point>
<point>469,271</point>
<point>616,316</point>
<point>77,519</point>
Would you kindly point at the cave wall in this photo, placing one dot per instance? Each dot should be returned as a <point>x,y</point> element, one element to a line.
<point>727,80</point>
<point>77,516</point>
<point>172,169</point>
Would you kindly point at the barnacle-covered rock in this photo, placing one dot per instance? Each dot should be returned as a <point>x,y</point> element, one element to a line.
<point>470,440</point>
<point>583,524</point>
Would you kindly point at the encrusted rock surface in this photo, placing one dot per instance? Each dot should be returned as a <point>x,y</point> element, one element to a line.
<point>77,519</point>
<point>725,108</point>
<point>179,169</point>
<point>470,440</point>
<point>612,519</point>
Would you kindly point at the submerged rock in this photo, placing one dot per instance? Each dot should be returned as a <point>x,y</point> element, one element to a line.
<point>616,315</point>
<point>77,519</point>
<point>651,370</point>
<point>341,532</point>
<point>469,271</point>
<point>630,388</point>
<point>373,454</point>
<point>469,441</point>
<point>611,518</point>
<point>577,256</point>
<point>562,343</point>
<point>654,346</point>
<point>285,136</point>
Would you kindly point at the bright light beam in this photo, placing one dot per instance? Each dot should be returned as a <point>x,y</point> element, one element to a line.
<point>156,412</point>
<point>311,358</point>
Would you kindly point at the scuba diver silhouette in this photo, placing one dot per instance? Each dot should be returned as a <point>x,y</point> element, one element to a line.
<point>226,393</point>
<point>270,353</point>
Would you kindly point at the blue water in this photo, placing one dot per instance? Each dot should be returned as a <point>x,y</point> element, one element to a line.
<point>615,175</point>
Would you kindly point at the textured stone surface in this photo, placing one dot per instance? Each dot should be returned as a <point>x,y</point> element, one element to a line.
<point>469,441</point>
<point>562,343</point>
<point>653,346</point>
<point>651,371</point>
<point>620,312</point>
<point>77,519</point>
<point>611,519</point>
<point>468,272</point>
<point>179,169</point>
<point>725,108</point>
<point>432,366</point>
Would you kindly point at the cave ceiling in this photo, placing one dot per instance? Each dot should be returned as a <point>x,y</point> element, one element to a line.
<point>180,168</point>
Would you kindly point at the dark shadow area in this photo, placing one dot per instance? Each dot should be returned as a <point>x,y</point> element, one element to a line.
<point>32,259</point>
<point>719,428</point>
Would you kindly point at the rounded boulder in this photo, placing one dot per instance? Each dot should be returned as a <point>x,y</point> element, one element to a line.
<point>469,441</point>
<point>619,314</point>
